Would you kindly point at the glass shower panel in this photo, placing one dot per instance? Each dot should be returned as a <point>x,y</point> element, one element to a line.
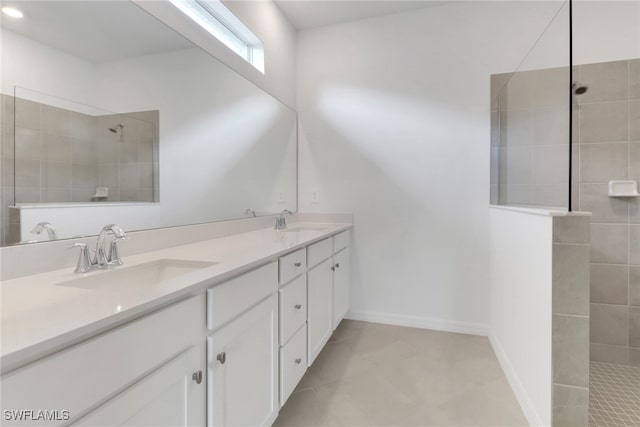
<point>531,118</point>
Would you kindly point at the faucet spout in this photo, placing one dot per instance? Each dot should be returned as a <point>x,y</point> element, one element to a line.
<point>45,226</point>
<point>100,253</point>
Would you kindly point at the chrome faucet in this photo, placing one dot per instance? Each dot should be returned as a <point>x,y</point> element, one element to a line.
<point>281,222</point>
<point>45,226</point>
<point>100,258</point>
<point>250,213</point>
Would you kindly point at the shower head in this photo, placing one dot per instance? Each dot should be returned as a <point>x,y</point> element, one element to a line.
<point>579,88</point>
<point>115,128</point>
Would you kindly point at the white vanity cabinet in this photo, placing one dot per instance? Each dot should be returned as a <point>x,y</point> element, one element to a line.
<point>328,289</point>
<point>341,276</point>
<point>293,322</point>
<point>243,369</point>
<point>242,350</point>
<point>104,377</point>
<point>228,356</point>
<point>320,310</point>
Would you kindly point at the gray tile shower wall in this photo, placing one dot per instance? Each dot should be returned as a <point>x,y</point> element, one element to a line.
<point>607,119</point>
<point>570,308</point>
<point>8,231</point>
<point>55,155</point>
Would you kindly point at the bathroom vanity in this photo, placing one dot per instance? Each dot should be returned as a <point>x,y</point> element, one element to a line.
<point>221,337</point>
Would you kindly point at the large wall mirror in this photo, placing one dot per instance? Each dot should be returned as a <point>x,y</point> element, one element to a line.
<point>108,115</point>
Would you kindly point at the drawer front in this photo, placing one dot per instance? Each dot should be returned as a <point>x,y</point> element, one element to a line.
<point>293,307</point>
<point>293,365</point>
<point>341,241</point>
<point>232,298</point>
<point>319,251</point>
<point>293,265</point>
<point>80,377</point>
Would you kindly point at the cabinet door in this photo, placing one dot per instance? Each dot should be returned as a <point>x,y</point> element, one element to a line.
<point>242,360</point>
<point>319,308</point>
<point>169,396</point>
<point>340,286</point>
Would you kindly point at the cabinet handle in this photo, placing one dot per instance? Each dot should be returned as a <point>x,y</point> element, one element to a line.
<point>298,264</point>
<point>197,377</point>
<point>337,265</point>
<point>333,268</point>
<point>222,357</point>
<point>298,306</point>
<point>298,361</point>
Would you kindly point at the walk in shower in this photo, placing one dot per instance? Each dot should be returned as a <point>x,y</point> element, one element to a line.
<point>566,137</point>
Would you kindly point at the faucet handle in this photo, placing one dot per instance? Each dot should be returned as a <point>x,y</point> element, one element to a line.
<point>84,261</point>
<point>114,254</point>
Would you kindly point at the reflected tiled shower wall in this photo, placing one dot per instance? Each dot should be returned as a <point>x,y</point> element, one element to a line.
<point>530,138</point>
<point>607,147</point>
<point>55,155</point>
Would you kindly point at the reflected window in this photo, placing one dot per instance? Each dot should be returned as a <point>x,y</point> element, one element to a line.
<point>221,23</point>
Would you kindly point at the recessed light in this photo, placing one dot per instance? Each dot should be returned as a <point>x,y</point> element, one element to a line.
<point>12,12</point>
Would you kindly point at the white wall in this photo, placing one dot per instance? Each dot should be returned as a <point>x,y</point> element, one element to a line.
<point>394,127</point>
<point>520,250</point>
<point>28,64</point>
<point>606,30</point>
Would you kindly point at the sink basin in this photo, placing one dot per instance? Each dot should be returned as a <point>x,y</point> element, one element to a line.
<point>297,229</point>
<point>147,274</point>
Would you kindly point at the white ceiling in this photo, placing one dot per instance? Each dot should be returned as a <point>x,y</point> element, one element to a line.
<point>306,14</point>
<point>97,31</point>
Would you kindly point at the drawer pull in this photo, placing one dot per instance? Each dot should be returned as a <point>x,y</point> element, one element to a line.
<point>222,357</point>
<point>338,265</point>
<point>298,264</point>
<point>298,306</point>
<point>333,268</point>
<point>197,377</point>
<point>298,361</point>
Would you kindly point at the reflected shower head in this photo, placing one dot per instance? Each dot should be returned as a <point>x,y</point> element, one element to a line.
<point>579,89</point>
<point>116,127</point>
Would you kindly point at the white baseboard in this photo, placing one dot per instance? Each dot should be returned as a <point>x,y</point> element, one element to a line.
<point>526,404</point>
<point>420,322</point>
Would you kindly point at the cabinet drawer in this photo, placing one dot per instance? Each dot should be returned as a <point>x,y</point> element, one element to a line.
<point>82,376</point>
<point>232,298</point>
<point>341,241</point>
<point>293,265</point>
<point>293,307</point>
<point>293,365</point>
<point>319,251</point>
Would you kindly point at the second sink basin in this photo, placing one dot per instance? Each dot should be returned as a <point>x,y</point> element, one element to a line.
<point>147,274</point>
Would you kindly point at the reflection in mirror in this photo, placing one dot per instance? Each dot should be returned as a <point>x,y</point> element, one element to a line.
<point>120,119</point>
<point>84,154</point>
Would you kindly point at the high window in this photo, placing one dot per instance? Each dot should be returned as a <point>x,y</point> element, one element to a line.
<point>220,22</point>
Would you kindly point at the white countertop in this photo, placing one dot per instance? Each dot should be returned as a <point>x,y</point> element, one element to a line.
<point>39,317</point>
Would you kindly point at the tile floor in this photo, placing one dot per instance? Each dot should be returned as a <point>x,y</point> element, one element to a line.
<point>380,375</point>
<point>614,398</point>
